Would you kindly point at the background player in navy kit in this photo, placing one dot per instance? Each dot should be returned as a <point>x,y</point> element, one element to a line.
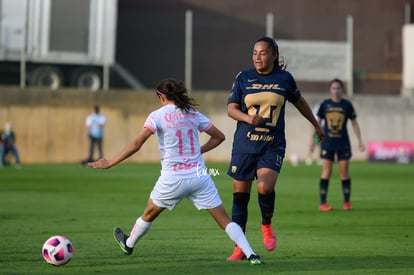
<point>257,103</point>
<point>335,113</point>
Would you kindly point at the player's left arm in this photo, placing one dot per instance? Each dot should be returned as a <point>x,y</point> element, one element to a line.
<point>357,131</point>
<point>304,108</point>
<point>216,137</point>
<point>128,151</point>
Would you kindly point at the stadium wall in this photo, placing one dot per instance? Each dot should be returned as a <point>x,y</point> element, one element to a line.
<point>50,125</point>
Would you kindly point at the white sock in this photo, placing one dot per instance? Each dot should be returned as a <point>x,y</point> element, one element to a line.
<point>236,235</point>
<point>141,227</point>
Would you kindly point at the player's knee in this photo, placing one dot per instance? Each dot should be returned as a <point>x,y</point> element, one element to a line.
<point>241,198</point>
<point>265,188</point>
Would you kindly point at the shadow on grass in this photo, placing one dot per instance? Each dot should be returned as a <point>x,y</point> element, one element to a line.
<point>215,265</point>
<point>346,263</point>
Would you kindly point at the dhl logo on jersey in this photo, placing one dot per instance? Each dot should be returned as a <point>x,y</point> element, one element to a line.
<point>257,86</point>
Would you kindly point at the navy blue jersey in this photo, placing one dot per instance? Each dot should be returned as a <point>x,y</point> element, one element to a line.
<point>336,115</point>
<point>265,95</point>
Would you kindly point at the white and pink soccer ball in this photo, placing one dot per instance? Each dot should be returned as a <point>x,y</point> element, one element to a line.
<point>57,250</point>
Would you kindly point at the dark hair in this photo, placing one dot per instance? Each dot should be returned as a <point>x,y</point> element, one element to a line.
<point>337,80</point>
<point>275,50</point>
<point>96,108</point>
<point>175,91</point>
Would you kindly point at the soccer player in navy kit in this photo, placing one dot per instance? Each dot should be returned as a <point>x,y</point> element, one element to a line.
<point>335,113</point>
<point>257,102</point>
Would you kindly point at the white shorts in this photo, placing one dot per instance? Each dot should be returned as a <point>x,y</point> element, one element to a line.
<point>169,192</point>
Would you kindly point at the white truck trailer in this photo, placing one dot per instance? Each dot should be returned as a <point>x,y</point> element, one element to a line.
<point>57,43</point>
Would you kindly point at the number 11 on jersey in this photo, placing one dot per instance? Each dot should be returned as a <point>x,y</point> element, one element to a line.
<point>181,144</point>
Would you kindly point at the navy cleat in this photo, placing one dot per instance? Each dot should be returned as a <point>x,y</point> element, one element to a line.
<point>121,239</point>
<point>255,260</point>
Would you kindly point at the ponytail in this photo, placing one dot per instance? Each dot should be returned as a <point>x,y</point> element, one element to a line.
<point>175,91</point>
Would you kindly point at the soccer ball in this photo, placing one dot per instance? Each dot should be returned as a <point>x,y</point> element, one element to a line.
<point>57,250</point>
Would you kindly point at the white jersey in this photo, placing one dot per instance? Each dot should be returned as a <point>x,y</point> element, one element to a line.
<point>95,123</point>
<point>177,134</point>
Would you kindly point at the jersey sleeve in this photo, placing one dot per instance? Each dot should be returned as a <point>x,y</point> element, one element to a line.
<point>203,122</point>
<point>293,94</point>
<point>103,119</point>
<point>151,122</point>
<point>321,112</point>
<point>352,114</point>
<point>236,90</point>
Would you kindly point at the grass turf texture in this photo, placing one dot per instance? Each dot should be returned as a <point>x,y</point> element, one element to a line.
<point>83,204</point>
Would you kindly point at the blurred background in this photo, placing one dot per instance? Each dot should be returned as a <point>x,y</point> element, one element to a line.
<point>58,58</point>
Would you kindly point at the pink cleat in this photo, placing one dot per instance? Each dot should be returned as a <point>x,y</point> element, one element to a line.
<point>347,206</point>
<point>237,255</point>
<point>324,207</point>
<point>269,238</point>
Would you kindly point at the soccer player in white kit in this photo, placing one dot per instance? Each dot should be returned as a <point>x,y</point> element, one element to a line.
<point>176,125</point>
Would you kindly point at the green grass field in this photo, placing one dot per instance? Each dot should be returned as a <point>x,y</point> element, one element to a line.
<point>38,201</point>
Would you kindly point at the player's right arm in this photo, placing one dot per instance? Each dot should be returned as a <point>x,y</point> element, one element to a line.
<point>233,111</point>
<point>233,104</point>
<point>128,151</point>
<point>312,142</point>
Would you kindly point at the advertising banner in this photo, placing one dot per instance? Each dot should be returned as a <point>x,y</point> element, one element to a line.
<point>392,151</point>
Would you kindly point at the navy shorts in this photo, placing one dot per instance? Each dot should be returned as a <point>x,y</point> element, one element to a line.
<point>244,166</point>
<point>344,154</point>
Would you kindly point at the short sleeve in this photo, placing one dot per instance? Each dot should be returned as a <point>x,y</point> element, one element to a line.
<point>151,122</point>
<point>103,119</point>
<point>293,94</point>
<point>236,90</point>
<point>352,114</point>
<point>88,121</point>
<point>203,122</point>
<point>321,113</point>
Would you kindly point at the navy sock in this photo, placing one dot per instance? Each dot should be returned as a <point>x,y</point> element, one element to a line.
<point>267,206</point>
<point>346,189</point>
<point>323,190</point>
<point>239,210</point>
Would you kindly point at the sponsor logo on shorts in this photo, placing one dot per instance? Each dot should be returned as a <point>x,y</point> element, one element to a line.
<point>234,169</point>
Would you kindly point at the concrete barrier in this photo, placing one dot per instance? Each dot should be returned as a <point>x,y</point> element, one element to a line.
<point>50,125</point>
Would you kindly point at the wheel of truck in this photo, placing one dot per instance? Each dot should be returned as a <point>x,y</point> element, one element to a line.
<point>46,76</point>
<point>88,79</point>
